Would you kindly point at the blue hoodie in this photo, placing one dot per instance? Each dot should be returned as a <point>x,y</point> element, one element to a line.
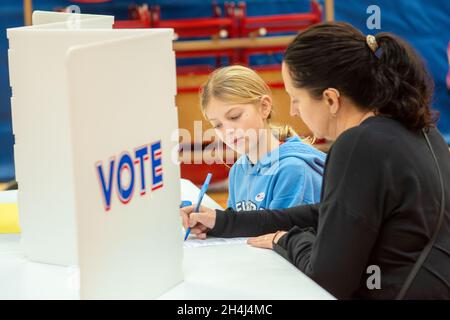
<point>285,177</point>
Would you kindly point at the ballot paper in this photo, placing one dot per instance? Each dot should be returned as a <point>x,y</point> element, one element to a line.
<point>193,242</point>
<point>190,191</point>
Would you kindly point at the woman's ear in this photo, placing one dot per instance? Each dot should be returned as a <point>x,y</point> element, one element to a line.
<point>266,106</point>
<point>331,97</point>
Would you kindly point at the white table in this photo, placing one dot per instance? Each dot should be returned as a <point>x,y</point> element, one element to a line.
<point>234,271</point>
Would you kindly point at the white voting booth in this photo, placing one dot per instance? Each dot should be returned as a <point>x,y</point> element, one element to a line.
<point>93,113</point>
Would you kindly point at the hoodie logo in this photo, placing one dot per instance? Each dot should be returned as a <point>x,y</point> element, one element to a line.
<point>246,206</point>
<point>260,196</point>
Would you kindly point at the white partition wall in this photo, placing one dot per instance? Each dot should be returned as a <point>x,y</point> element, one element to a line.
<point>80,96</point>
<point>122,116</point>
<point>42,151</point>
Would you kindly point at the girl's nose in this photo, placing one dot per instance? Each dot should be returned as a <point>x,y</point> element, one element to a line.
<point>228,132</point>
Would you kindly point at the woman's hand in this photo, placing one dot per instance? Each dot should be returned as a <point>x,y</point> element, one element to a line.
<point>266,241</point>
<point>199,222</point>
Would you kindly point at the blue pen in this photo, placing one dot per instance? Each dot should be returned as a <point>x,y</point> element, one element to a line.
<point>200,198</point>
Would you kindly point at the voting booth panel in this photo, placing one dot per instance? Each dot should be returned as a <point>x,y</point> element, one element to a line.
<point>125,111</point>
<point>126,184</point>
<point>41,129</point>
<point>42,150</point>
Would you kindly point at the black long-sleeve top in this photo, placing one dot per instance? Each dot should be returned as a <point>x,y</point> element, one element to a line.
<point>379,206</point>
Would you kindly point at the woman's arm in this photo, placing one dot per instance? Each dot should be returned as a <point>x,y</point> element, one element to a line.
<point>230,224</point>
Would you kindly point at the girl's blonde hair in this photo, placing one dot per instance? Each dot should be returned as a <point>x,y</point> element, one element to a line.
<point>240,85</point>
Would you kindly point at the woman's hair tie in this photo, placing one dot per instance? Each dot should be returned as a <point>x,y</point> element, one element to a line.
<point>372,43</point>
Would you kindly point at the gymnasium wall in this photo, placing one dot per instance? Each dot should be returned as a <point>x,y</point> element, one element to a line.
<point>424,23</point>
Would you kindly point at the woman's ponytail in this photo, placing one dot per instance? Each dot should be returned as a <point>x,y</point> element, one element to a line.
<point>403,86</point>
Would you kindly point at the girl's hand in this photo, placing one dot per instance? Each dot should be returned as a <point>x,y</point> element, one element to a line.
<point>266,241</point>
<point>199,222</point>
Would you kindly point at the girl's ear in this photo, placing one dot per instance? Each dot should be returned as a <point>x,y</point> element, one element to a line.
<point>266,106</point>
<point>331,97</point>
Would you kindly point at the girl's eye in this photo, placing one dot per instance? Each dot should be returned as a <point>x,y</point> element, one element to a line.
<point>235,117</point>
<point>217,126</point>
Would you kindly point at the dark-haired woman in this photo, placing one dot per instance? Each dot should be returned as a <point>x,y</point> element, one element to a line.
<point>381,229</point>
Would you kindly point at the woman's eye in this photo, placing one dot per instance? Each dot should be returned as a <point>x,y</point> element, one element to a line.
<point>217,126</point>
<point>235,117</point>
